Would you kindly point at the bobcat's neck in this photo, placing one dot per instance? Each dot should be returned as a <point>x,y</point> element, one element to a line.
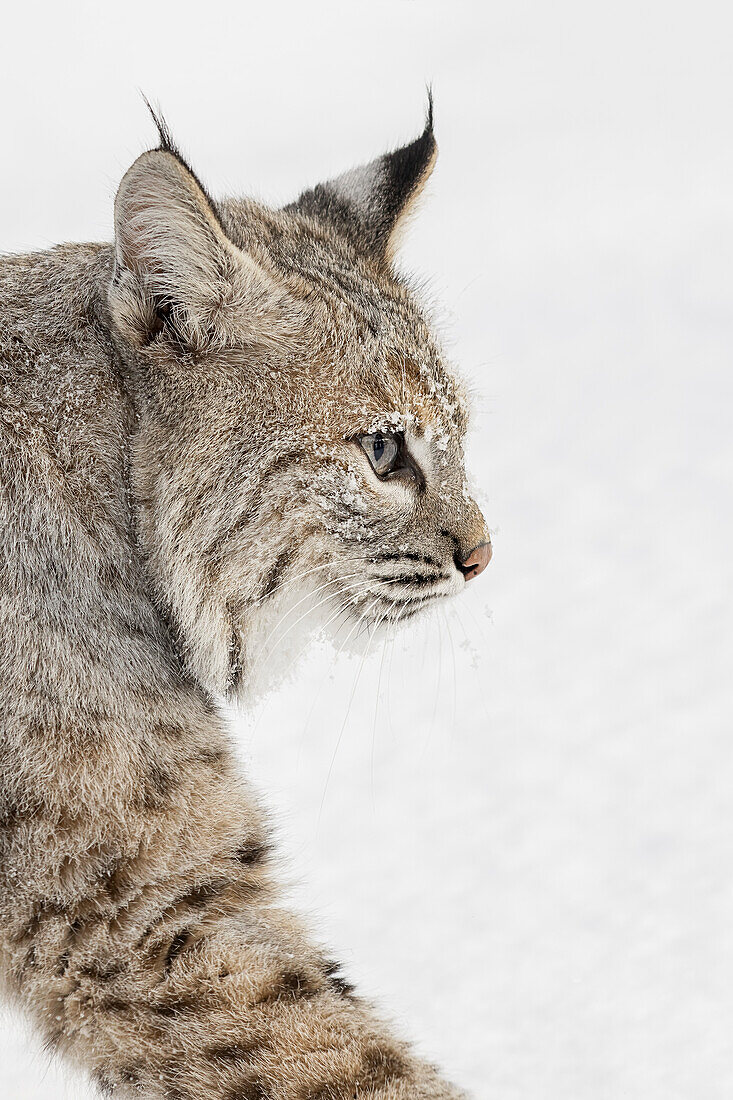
<point>89,668</point>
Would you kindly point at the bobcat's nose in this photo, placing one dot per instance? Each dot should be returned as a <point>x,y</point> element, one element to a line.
<point>476,561</point>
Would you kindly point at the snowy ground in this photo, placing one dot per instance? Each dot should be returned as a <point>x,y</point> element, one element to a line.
<point>521,837</point>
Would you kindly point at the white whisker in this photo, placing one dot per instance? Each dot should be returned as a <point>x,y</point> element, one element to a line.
<point>453,658</point>
<point>290,581</point>
<point>348,710</point>
<point>263,651</point>
<point>340,650</point>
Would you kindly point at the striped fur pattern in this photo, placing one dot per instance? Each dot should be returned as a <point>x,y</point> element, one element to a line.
<point>178,416</point>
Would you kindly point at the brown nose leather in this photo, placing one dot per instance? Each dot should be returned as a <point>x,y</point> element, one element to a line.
<point>476,561</point>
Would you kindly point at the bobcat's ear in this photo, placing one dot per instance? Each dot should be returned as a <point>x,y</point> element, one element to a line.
<point>370,204</point>
<point>176,271</point>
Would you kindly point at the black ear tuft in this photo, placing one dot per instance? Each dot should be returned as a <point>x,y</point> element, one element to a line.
<point>368,204</point>
<point>429,115</point>
<point>406,172</point>
<point>166,144</point>
<point>165,139</point>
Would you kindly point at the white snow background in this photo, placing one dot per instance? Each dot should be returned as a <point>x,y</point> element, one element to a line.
<point>520,837</point>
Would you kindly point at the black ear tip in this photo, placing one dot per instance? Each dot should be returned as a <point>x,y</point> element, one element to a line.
<point>165,138</point>
<point>429,113</point>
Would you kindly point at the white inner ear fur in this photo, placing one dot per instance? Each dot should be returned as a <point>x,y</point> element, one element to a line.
<point>170,245</point>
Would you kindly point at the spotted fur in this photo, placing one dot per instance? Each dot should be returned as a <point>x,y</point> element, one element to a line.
<point>178,416</point>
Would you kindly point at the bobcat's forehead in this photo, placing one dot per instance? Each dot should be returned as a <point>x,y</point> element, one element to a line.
<point>365,331</point>
<point>367,389</point>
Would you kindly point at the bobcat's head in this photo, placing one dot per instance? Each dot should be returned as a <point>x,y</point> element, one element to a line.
<point>297,423</point>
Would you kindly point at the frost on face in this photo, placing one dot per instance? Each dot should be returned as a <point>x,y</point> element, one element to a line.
<point>339,493</point>
<point>438,436</point>
<point>393,421</point>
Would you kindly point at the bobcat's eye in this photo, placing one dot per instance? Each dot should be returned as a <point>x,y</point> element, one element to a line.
<point>383,450</point>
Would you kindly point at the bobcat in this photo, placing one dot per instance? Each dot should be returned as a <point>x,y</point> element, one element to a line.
<point>229,403</point>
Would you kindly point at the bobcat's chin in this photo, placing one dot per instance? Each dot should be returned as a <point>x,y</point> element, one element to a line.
<point>332,609</point>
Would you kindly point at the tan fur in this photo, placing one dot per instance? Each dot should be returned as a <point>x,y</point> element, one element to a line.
<point>177,417</point>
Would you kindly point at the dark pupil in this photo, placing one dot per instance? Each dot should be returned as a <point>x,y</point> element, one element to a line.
<point>378,447</point>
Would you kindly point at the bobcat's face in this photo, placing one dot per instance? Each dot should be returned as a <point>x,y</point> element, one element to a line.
<point>381,481</point>
<point>298,426</point>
